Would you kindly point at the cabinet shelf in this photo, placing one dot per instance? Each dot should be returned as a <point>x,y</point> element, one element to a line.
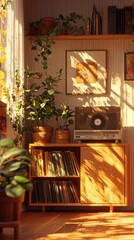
<point>56,177</point>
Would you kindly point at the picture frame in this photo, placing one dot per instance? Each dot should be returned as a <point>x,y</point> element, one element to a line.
<point>129,66</point>
<point>86,72</point>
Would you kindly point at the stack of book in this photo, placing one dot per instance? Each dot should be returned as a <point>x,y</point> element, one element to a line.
<point>52,191</point>
<point>120,20</point>
<point>54,163</point>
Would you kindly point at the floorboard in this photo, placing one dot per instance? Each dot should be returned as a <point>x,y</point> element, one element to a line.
<point>74,226</point>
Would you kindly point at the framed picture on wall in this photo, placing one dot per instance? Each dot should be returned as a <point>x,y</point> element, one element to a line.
<point>129,66</point>
<point>86,72</point>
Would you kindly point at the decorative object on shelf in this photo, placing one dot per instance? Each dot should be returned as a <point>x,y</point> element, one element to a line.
<point>129,66</point>
<point>73,24</point>
<point>14,180</point>
<point>64,118</point>
<point>86,72</point>
<point>43,27</point>
<point>46,25</point>
<point>96,22</point>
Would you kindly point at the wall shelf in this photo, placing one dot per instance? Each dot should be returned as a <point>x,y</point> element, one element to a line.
<point>96,37</point>
<point>92,37</point>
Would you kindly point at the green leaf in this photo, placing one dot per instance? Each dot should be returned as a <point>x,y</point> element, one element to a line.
<point>28,186</point>
<point>39,42</point>
<point>13,152</point>
<point>51,92</point>
<point>7,143</point>
<point>34,47</point>
<point>10,167</point>
<point>36,59</point>
<point>21,179</point>
<point>14,191</point>
<point>71,121</point>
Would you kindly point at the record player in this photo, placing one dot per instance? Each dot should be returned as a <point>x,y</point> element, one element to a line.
<point>98,123</point>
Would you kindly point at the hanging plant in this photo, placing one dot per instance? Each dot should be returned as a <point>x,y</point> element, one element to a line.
<point>16,107</point>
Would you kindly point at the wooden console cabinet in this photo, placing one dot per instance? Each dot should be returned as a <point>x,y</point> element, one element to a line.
<point>83,174</point>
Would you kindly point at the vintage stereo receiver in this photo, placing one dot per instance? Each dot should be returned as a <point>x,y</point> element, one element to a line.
<point>97,123</point>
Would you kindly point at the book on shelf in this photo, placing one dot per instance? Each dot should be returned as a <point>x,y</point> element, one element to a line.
<point>72,192</point>
<point>62,165</point>
<point>112,19</point>
<point>49,164</point>
<point>128,19</point>
<point>34,171</point>
<point>120,20</point>
<point>96,22</point>
<point>75,163</point>
<point>54,163</point>
<point>57,161</point>
<point>38,162</point>
<point>51,191</point>
<point>71,163</point>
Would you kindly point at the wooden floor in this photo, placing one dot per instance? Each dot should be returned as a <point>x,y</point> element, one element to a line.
<point>74,226</point>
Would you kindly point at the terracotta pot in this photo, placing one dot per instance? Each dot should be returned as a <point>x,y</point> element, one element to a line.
<point>10,210</point>
<point>62,136</point>
<point>8,206</point>
<point>42,134</point>
<point>46,25</point>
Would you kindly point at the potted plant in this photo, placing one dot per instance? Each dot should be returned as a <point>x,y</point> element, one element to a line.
<point>17,105</point>
<point>14,180</point>
<point>72,24</point>
<point>64,118</point>
<point>40,106</point>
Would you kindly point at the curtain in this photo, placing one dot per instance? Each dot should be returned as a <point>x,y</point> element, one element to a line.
<point>15,58</point>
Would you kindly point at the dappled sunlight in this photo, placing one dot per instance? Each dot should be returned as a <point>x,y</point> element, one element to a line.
<point>86,72</point>
<point>106,179</point>
<point>96,226</point>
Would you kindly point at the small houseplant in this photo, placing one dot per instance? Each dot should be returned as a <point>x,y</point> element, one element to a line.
<point>14,180</point>
<point>64,118</point>
<point>40,106</point>
<point>72,24</point>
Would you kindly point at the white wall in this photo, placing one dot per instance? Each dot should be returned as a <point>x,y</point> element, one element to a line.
<point>119,92</point>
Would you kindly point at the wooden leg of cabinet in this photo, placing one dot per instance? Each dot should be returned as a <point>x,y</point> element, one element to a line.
<point>43,209</point>
<point>16,233</point>
<point>112,208</point>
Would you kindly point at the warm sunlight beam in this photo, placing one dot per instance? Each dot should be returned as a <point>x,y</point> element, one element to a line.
<point>87,72</point>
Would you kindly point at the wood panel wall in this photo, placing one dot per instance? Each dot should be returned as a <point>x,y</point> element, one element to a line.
<point>119,92</point>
